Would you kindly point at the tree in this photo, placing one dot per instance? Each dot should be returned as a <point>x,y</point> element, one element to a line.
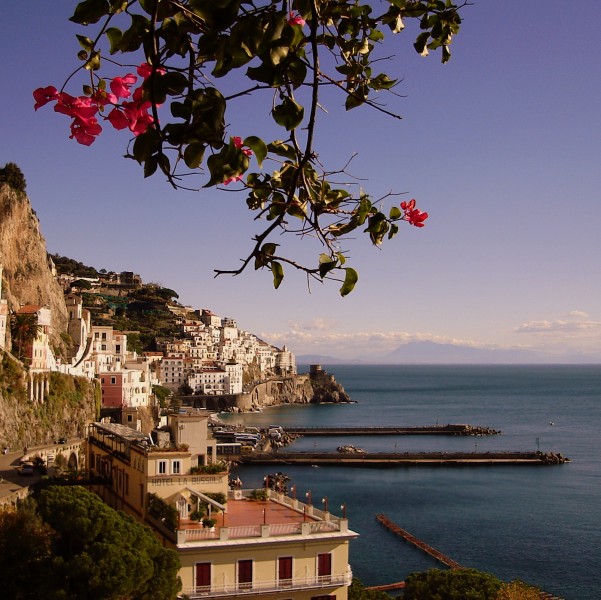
<point>99,553</point>
<point>25,553</point>
<point>13,176</point>
<point>357,591</point>
<point>24,329</point>
<point>287,54</point>
<point>454,584</point>
<point>518,590</point>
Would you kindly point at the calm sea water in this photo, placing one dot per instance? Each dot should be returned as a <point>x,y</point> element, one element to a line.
<point>537,524</point>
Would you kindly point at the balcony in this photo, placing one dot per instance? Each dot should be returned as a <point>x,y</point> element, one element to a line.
<point>276,516</point>
<point>259,588</point>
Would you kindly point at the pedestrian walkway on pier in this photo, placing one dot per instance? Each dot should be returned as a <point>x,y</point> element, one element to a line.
<point>449,429</point>
<point>439,556</point>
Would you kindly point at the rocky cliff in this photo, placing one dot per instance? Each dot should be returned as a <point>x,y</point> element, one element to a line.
<point>27,274</point>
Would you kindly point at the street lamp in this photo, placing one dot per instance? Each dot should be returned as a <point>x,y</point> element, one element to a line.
<point>308,497</point>
<point>293,492</point>
<point>343,509</point>
<point>325,503</point>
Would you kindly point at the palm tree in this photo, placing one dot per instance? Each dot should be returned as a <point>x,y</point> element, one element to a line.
<point>24,329</point>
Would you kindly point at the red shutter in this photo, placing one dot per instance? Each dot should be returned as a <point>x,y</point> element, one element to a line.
<point>285,570</point>
<point>324,565</point>
<point>203,576</point>
<point>245,573</point>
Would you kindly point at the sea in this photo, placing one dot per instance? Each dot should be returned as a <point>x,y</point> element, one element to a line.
<point>539,524</point>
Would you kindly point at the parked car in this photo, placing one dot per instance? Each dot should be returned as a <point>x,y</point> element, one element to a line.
<point>61,440</point>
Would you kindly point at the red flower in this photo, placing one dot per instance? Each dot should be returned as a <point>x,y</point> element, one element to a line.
<point>145,70</point>
<point>413,215</point>
<point>44,95</point>
<point>295,19</point>
<point>237,141</point>
<point>120,85</point>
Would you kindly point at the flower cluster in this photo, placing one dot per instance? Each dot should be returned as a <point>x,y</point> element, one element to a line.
<point>413,215</point>
<point>295,19</point>
<point>84,110</point>
<point>238,143</point>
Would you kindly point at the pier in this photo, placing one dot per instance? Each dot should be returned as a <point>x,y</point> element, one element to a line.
<point>450,429</point>
<point>407,459</point>
<point>436,554</point>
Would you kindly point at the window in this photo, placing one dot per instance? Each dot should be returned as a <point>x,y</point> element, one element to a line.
<point>245,574</point>
<point>203,577</point>
<point>324,567</point>
<point>162,467</point>
<point>176,468</point>
<point>285,571</point>
<point>113,380</point>
<point>118,348</point>
<point>130,418</point>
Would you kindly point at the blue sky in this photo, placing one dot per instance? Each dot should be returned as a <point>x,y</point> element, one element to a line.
<point>501,146</point>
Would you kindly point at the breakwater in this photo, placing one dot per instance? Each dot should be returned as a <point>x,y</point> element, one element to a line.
<point>415,459</point>
<point>449,429</point>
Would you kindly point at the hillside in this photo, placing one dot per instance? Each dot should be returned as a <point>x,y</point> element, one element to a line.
<point>27,275</point>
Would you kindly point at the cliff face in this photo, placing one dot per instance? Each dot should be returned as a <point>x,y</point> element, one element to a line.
<point>27,275</point>
<point>70,404</point>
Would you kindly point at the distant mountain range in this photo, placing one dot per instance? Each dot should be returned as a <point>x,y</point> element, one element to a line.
<point>434,353</point>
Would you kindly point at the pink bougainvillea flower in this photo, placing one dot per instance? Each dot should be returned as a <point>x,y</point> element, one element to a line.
<point>85,132</point>
<point>102,98</point>
<point>295,19</point>
<point>232,179</point>
<point>117,119</point>
<point>416,217</point>
<point>413,215</point>
<point>237,141</point>
<point>120,85</point>
<point>145,70</point>
<point>44,95</point>
<point>81,107</point>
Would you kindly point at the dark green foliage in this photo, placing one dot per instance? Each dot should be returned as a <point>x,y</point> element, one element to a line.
<point>65,265</point>
<point>455,584</point>
<point>13,176</point>
<point>163,512</point>
<point>11,379</point>
<point>24,329</point>
<point>161,392</point>
<point>357,591</point>
<point>99,553</point>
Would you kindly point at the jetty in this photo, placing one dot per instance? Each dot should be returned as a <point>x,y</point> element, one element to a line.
<point>433,552</point>
<point>409,537</point>
<point>406,459</point>
<point>450,429</point>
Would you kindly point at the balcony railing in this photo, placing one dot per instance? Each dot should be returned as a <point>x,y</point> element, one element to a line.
<point>257,531</point>
<point>258,588</point>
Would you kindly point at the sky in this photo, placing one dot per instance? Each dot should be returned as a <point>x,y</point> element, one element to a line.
<point>501,146</point>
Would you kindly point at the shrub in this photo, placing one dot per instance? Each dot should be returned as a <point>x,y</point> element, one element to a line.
<point>13,176</point>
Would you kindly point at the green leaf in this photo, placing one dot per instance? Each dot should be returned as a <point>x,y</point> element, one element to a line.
<point>289,114</point>
<point>269,248</point>
<point>146,144</point>
<point>85,42</point>
<point>278,273</point>
<point>193,155</point>
<point>349,281</point>
<point>258,146</point>
<point>93,63</point>
<point>114,36</point>
<point>90,11</point>
<point>395,213</point>
<point>282,149</point>
<point>326,264</point>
